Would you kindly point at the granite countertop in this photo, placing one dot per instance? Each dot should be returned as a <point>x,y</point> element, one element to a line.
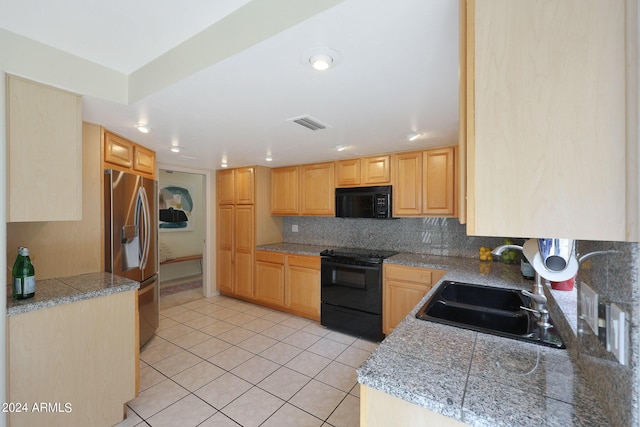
<point>477,378</point>
<point>294,248</point>
<point>63,290</point>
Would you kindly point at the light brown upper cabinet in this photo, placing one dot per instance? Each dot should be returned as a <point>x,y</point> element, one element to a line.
<point>424,183</point>
<point>284,191</point>
<point>226,189</point>
<point>317,189</point>
<point>236,186</point>
<point>348,173</point>
<point>144,160</point>
<point>303,190</point>
<point>117,150</point>
<point>363,171</point>
<point>438,182</point>
<point>551,115</point>
<point>121,154</point>
<point>44,152</point>
<point>407,184</point>
<point>376,170</point>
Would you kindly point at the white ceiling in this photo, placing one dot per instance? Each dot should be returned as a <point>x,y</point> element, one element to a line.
<point>398,72</point>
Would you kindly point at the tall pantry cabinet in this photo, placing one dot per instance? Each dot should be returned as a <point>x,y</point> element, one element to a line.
<point>243,222</point>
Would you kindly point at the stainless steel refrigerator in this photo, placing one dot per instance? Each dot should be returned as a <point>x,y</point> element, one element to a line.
<point>131,240</point>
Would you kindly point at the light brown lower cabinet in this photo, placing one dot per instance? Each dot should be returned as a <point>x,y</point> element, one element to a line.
<point>302,285</point>
<point>79,360</point>
<point>403,288</point>
<point>269,287</point>
<point>379,409</point>
<point>289,283</point>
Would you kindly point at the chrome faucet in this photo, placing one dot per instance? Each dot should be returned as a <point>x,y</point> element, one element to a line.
<point>538,305</point>
<point>498,251</point>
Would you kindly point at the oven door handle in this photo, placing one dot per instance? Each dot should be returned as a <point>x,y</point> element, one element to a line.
<point>343,264</point>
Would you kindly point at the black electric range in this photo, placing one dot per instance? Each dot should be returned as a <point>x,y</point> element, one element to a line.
<point>351,291</point>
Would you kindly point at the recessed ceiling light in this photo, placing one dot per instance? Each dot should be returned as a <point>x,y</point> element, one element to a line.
<point>340,147</point>
<point>176,148</point>
<point>143,128</point>
<point>269,158</point>
<point>412,136</point>
<point>321,62</point>
<point>320,58</point>
<point>224,165</point>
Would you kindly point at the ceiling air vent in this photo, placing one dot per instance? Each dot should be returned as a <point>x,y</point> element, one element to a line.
<point>309,122</point>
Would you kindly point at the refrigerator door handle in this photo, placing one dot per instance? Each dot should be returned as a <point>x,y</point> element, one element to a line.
<point>146,241</point>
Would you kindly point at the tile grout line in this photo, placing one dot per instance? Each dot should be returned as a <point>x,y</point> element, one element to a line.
<point>331,359</point>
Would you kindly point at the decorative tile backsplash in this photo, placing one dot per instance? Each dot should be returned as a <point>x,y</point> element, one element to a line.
<point>612,273</point>
<point>434,236</point>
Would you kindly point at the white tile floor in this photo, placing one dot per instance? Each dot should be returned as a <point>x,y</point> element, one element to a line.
<point>224,362</point>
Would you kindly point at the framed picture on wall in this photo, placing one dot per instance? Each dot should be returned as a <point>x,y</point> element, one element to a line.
<point>175,208</point>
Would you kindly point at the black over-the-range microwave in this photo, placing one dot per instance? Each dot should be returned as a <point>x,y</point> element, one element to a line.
<point>364,202</point>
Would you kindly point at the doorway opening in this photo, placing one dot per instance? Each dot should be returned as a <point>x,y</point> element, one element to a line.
<point>181,236</point>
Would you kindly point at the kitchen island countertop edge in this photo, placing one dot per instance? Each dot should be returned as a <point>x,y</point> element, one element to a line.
<point>64,290</point>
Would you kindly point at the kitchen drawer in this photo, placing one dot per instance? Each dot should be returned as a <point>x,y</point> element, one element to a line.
<point>304,261</point>
<point>412,274</point>
<point>268,256</point>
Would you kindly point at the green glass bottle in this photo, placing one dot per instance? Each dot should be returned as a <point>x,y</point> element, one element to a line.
<point>24,276</point>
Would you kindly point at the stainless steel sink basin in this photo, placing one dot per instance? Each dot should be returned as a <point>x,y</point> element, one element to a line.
<point>487,309</point>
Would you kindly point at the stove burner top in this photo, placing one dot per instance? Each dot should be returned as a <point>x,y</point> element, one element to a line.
<point>371,255</point>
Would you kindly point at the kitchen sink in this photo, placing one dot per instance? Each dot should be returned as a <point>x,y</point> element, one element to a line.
<point>487,309</point>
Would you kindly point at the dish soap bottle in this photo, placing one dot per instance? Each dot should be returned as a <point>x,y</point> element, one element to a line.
<point>24,276</point>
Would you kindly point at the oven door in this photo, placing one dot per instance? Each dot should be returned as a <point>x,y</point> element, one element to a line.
<point>358,287</point>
